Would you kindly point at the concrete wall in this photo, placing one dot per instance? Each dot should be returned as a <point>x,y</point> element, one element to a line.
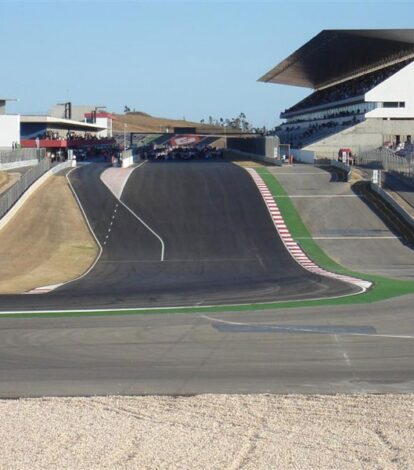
<point>106,122</point>
<point>365,136</point>
<point>384,195</point>
<point>26,195</point>
<point>263,146</point>
<point>78,111</point>
<point>251,156</point>
<point>397,88</point>
<point>9,130</point>
<point>13,165</point>
<point>304,156</point>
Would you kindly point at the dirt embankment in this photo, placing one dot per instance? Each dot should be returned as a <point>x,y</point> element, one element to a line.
<point>209,432</point>
<point>46,242</point>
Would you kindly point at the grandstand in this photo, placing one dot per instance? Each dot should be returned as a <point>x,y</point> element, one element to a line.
<point>363,96</point>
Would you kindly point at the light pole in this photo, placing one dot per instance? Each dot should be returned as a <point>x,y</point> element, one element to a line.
<point>125,126</point>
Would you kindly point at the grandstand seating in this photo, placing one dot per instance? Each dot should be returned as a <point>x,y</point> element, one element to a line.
<point>355,87</point>
<point>363,95</point>
<point>299,135</point>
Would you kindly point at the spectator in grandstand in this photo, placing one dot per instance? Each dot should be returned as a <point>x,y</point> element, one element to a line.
<point>350,88</point>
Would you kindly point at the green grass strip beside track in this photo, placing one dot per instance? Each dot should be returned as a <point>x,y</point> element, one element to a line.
<point>382,289</point>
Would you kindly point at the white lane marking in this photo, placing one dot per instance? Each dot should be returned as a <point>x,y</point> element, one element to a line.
<point>137,217</point>
<point>43,289</point>
<point>298,173</point>
<point>307,330</point>
<point>320,195</point>
<point>89,226</point>
<point>92,232</point>
<point>285,236</point>
<point>351,237</point>
<point>126,179</point>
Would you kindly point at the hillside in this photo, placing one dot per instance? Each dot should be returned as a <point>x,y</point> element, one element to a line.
<point>141,122</point>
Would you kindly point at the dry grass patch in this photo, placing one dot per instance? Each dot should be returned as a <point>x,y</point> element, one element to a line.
<point>46,242</point>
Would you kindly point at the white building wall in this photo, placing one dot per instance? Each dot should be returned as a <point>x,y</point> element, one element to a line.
<point>78,111</point>
<point>106,122</point>
<point>9,130</point>
<point>397,88</point>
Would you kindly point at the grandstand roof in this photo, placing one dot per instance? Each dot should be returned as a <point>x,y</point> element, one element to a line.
<point>335,55</point>
<point>61,122</point>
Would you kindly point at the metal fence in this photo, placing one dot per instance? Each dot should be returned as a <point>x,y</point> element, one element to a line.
<point>10,197</point>
<point>21,155</point>
<point>387,160</point>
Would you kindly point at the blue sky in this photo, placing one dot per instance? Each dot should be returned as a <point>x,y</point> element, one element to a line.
<point>172,59</point>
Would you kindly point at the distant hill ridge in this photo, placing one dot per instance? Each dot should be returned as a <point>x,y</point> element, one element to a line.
<point>138,113</point>
<point>138,121</point>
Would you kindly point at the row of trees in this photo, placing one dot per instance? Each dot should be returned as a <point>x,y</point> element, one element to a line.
<point>239,123</point>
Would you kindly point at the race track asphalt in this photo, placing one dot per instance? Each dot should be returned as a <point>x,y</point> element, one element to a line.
<point>361,348</point>
<point>221,246</point>
<point>341,349</point>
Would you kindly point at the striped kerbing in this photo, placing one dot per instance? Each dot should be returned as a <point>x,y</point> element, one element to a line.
<point>293,248</point>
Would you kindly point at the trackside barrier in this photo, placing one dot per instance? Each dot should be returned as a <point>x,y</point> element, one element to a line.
<point>16,158</point>
<point>17,195</point>
<point>129,157</point>
<point>303,156</point>
<point>126,162</point>
<point>253,156</point>
<point>342,166</point>
<point>386,197</point>
<point>13,165</point>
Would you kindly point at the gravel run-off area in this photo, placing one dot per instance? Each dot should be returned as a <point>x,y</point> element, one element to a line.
<point>209,432</point>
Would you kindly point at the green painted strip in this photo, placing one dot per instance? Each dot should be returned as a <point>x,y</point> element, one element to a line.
<point>383,288</point>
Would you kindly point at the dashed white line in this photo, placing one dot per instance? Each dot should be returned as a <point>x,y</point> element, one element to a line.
<point>137,217</point>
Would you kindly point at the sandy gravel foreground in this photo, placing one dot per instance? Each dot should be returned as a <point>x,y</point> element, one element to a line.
<point>209,432</point>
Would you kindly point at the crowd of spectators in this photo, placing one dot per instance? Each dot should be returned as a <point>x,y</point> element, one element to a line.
<point>351,88</point>
<point>180,153</point>
<point>70,135</point>
<point>332,115</point>
<point>297,136</point>
<point>49,135</point>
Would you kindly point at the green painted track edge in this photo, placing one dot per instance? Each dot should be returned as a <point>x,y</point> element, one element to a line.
<point>383,288</point>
